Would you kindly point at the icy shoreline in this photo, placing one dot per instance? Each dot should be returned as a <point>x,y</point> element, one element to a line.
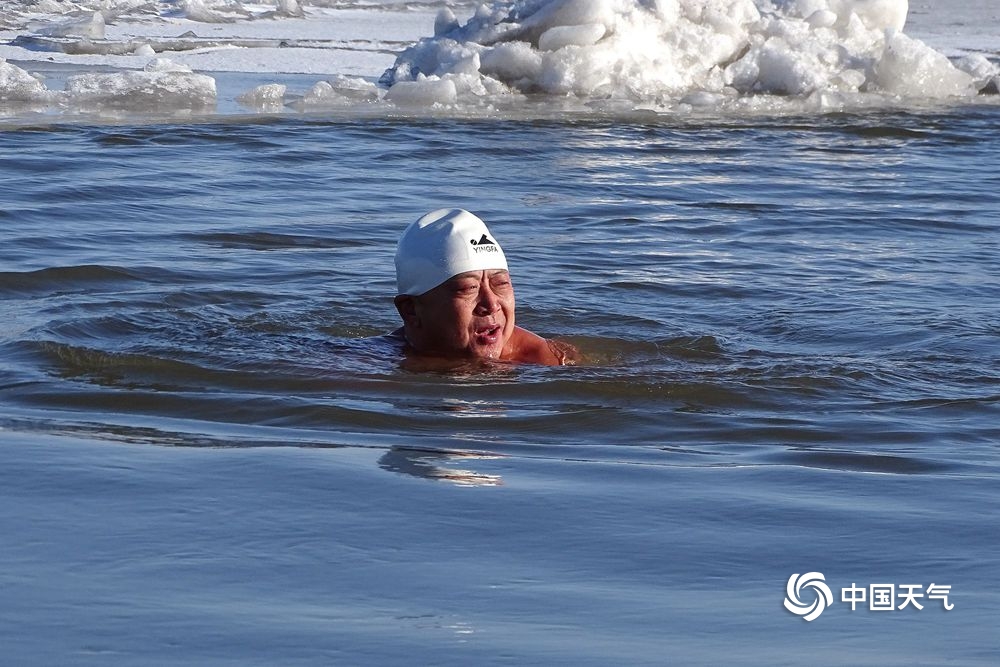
<point>205,57</point>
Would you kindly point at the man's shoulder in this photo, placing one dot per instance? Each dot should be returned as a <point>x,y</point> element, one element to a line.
<point>528,347</point>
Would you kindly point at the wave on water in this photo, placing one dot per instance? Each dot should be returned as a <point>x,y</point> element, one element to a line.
<point>581,55</point>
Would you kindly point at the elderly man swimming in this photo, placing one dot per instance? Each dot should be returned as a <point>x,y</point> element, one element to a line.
<point>456,298</point>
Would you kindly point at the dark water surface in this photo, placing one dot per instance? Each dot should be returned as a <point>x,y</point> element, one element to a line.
<point>793,346</point>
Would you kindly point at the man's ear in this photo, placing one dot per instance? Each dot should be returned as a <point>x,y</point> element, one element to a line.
<point>406,306</point>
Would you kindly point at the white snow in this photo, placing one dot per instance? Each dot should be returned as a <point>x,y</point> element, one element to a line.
<point>228,56</point>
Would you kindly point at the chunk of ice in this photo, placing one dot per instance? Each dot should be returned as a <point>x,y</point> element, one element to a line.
<point>163,85</point>
<point>423,93</point>
<point>910,68</point>
<point>340,91</point>
<point>445,22</point>
<point>91,27</point>
<point>669,51</point>
<point>17,85</point>
<point>208,11</point>
<point>985,75</point>
<point>556,38</point>
<point>268,97</point>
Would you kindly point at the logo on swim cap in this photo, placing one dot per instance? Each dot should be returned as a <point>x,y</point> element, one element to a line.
<point>484,245</point>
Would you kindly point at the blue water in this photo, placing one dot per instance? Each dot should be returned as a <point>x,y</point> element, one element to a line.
<point>208,456</point>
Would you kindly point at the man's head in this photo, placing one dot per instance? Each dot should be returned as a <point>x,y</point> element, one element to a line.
<point>455,294</point>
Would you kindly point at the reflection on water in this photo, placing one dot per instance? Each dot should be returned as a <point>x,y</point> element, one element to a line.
<point>435,465</point>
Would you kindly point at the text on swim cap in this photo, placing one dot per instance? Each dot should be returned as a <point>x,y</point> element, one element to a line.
<point>484,245</point>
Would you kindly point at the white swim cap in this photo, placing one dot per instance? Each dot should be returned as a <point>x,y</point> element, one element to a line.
<point>442,244</point>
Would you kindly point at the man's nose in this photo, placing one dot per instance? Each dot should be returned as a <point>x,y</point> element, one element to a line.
<point>488,301</point>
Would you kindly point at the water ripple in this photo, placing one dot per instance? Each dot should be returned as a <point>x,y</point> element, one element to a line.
<point>769,291</point>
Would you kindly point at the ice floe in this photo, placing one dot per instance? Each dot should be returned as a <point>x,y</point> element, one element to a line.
<point>668,52</point>
<point>161,85</point>
<point>18,86</point>
<point>410,56</point>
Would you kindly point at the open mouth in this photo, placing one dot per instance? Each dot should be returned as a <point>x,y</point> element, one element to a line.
<point>488,335</point>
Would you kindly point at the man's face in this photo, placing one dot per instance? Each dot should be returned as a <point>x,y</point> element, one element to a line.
<point>471,315</point>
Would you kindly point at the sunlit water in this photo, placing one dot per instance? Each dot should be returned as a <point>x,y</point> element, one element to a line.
<point>791,332</point>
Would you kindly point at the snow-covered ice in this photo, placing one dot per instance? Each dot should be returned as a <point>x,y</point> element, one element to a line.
<point>226,56</point>
<point>664,52</point>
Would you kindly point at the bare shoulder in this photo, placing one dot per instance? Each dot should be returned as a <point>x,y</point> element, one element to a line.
<point>527,347</point>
